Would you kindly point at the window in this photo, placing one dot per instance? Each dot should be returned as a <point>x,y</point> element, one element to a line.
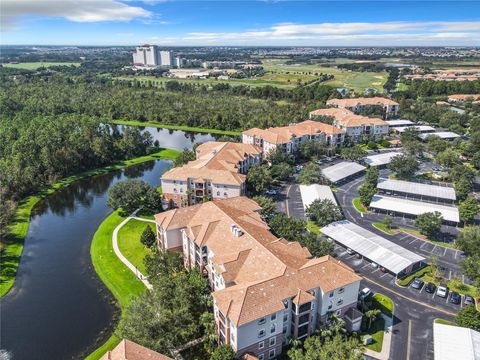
<point>261,345</point>
<point>174,189</point>
<point>339,312</point>
<point>284,331</point>
<point>271,354</point>
<point>261,333</point>
<point>273,317</point>
<point>313,306</point>
<point>261,357</point>
<point>224,194</point>
<point>273,341</point>
<point>218,193</point>
<point>331,294</point>
<point>330,306</point>
<point>272,328</point>
<point>285,317</point>
<point>181,190</point>
<point>261,321</point>
<point>341,290</point>
<point>339,302</point>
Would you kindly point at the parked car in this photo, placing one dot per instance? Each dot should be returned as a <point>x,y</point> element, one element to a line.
<point>358,256</point>
<point>469,300</point>
<point>417,283</point>
<point>298,168</point>
<point>455,298</point>
<point>365,293</point>
<point>383,270</point>
<point>442,291</point>
<point>430,288</point>
<point>271,192</point>
<point>374,265</point>
<point>350,251</point>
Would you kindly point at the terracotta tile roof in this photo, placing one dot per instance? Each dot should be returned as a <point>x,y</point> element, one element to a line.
<point>347,118</point>
<point>128,350</point>
<point>245,303</point>
<point>346,103</point>
<point>302,297</point>
<point>284,134</point>
<point>216,161</point>
<point>463,97</point>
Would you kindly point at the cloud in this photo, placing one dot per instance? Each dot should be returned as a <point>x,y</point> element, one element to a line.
<point>73,10</point>
<point>352,33</point>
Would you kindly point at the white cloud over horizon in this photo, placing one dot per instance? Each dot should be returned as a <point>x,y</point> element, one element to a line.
<point>74,10</point>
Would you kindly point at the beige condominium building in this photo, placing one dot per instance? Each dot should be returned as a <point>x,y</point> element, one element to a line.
<point>288,138</point>
<point>356,105</point>
<point>266,290</point>
<point>217,173</point>
<point>354,126</point>
<point>461,98</point>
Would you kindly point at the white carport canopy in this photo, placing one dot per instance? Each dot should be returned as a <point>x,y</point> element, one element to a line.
<point>313,192</point>
<point>455,343</point>
<point>415,188</point>
<point>441,134</point>
<point>372,246</point>
<point>411,207</point>
<point>342,170</point>
<point>399,122</point>
<point>419,128</point>
<point>381,159</point>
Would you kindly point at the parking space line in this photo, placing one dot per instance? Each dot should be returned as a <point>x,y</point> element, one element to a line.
<point>433,250</point>
<point>421,247</point>
<point>450,275</point>
<point>433,295</point>
<point>445,252</point>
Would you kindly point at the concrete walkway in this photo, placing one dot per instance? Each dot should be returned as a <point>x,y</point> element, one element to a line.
<point>122,258</point>
<point>387,341</point>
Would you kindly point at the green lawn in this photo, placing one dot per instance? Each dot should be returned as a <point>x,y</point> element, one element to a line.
<point>383,228</point>
<point>36,65</point>
<point>359,206</point>
<point>419,273</point>
<point>176,127</point>
<point>384,304</point>
<point>121,282</point>
<point>377,331</point>
<point>130,245</point>
<point>445,322</point>
<point>12,252</point>
<point>421,236</point>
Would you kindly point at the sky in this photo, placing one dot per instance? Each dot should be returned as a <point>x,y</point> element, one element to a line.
<point>240,23</point>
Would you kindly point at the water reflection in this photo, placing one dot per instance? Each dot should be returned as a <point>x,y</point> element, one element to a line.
<point>58,309</point>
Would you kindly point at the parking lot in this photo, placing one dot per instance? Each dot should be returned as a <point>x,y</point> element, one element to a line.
<point>365,268</point>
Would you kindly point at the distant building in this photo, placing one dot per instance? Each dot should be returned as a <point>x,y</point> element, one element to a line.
<point>150,56</point>
<point>288,138</point>
<point>265,289</point>
<point>217,173</point>
<point>461,98</point>
<point>356,105</point>
<point>180,62</point>
<point>146,55</point>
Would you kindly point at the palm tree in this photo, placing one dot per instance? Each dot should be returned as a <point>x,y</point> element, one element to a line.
<point>372,315</point>
<point>295,343</point>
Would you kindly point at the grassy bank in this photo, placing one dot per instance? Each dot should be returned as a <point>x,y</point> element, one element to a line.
<point>121,282</point>
<point>11,255</point>
<point>39,64</point>
<point>177,127</point>
<point>383,228</point>
<point>130,245</point>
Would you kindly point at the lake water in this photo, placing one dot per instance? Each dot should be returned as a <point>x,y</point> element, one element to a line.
<point>58,308</point>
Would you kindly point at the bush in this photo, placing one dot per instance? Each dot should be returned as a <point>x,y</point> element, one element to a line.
<point>148,237</point>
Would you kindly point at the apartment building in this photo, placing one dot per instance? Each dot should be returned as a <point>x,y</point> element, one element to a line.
<point>356,105</point>
<point>289,138</point>
<point>128,350</point>
<point>354,126</point>
<point>145,55</point>
<point>461,98</point>
<point>266,290</point>
<point>217,173</point>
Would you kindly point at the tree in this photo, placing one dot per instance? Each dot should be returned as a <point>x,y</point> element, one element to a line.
<point>436,145</point>
<point>371,175</point>
<point>259,178</point>
<point>148,237</point>
<point>372,145</point>
<point>281,171</point>
<point>371,316</point>
<point>429,223</point>
<point>316,348</point>
<point>207,321</point>
<point>448,158</point>
<point>387,221</point>
<point>352,153</point>
<point>268,205</point>
<point>468,209</point>
<point>404,166</point>
<point>278,156</point>
<point>468,317</point>
<point>463,187</point>
<point>312,149</point>
<point>223,352</point>
<point>469,240</point>
<point>471,268</point>
<point>323,212</point>
<point>185,156</point>
<point>366,192</point>
<point>410,143</point>
<point>310,174</point>
<point>132,194</point>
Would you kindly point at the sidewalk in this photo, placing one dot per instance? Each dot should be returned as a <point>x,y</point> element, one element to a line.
<point>122,258</point>
<point>387,341</point>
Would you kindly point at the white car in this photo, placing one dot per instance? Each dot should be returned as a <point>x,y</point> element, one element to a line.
<point>374,265</point>
<point>365,292</point>
<point>350,251</point>
<point>271,192</point>
<point>442,291</point>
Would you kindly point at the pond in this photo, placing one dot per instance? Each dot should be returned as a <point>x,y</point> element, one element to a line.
<point>58,307</point>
